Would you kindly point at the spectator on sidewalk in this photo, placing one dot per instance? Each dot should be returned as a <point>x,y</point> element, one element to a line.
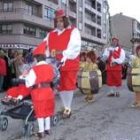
<point>3,69</point>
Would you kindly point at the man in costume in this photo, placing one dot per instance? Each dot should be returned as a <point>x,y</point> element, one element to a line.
<point>115,57</point>
<point>65,43</point>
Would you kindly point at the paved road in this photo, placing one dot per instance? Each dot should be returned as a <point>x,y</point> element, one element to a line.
<point>107,118</point>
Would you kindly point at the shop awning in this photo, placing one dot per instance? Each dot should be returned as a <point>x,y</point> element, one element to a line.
<point>16,46</point>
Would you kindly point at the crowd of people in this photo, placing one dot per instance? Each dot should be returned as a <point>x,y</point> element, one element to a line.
<point>64,44</point>
<point>11,62</point>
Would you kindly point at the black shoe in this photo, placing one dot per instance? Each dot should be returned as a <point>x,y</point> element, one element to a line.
<point>47,132</point>
<point>5,101</point>
<point>111,95</point>
<point>117,94</point>
<point>41,134</point>
<point>15,101</point>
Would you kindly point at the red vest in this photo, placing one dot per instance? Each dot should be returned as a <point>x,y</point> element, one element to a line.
<point>60,43</point>
<point>44,73</point>
<point>115,54</point>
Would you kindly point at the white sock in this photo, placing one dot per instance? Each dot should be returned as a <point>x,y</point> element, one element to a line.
<point>47,123</point>
<point>118,89</point>
<point>40,124</point>
<point>20,97</point>
<point>111,89</point>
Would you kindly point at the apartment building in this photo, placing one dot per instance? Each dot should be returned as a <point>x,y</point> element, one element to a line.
<point>24,23</point>
<point>127,29</point>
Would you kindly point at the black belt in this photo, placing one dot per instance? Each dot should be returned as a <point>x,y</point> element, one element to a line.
<point>42,85</point>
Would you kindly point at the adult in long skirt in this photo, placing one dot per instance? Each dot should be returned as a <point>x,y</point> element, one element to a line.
<point>65,42</point>
<point>115,56</point>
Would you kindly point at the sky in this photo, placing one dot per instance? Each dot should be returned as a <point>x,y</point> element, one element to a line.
<point>129,8</point>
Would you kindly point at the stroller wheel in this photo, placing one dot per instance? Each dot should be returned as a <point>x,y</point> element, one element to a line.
<point>54,120</point>
<point>28,129</point>
<point>3,123</point>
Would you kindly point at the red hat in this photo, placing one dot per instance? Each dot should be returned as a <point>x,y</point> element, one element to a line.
<point>60,13</point>
<point>114,38</point>
<point>41,49</point>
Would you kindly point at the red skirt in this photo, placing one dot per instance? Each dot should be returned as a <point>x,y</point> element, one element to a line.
<point>68,80</point>
<point>44,109</point>
<point>43,102</point>
<point>114,78</point>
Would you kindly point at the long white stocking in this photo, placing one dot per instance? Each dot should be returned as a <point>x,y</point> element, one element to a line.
<point>62,98</point>
<point>47,123</point>
<point>41,124</point>
<point>118,89</point>
<point>67,97</point>
<point>111,89</point>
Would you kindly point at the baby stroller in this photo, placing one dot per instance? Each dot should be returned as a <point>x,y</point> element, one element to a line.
<point>25,112</point>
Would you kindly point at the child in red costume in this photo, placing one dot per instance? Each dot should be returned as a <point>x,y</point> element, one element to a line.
<point>39,78</point>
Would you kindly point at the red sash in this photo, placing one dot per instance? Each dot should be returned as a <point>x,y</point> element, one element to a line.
<point>115,54</point>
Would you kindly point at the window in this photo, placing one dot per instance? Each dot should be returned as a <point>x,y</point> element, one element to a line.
<point>7,6</point>
<point>29,9</point>
<point>94,17</point>
<point>49,13</point>
<point>32,9</point>
<point>98,20</point>
<point>80,26</point>
<point>28,30</point>
<point>93,4</point>
<point>80,17</point>
<point>72,21</point>
<point>6,28</point>
<point>64,5</point>
<point>80,3</point>
<point>54,1</point>
<point>98,7</point>
<point>42,33</point>
<point>72,7</point>
<point>93,32</point>
<point>98,33</point>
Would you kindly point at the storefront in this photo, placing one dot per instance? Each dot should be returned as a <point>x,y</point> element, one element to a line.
<point>16,46</point>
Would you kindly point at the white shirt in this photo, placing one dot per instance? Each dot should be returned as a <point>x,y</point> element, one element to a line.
<point>119,60</point>
<point>31,77</point>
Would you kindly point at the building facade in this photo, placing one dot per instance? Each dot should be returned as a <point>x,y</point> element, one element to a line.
<point>24,23</point>
<point>127,29</point>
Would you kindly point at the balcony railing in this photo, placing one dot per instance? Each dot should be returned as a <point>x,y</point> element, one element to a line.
<point>21,11</point>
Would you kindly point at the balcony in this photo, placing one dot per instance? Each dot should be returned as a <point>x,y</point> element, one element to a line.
<point>18,39</point>
<point>90,9</point>
<point>73,1</point>
<point>22,15</point>
<point>93,38</point>
<point>91,23</point>
<point>22,11</point>
<point>54,1</point>
<point>72,14</point>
